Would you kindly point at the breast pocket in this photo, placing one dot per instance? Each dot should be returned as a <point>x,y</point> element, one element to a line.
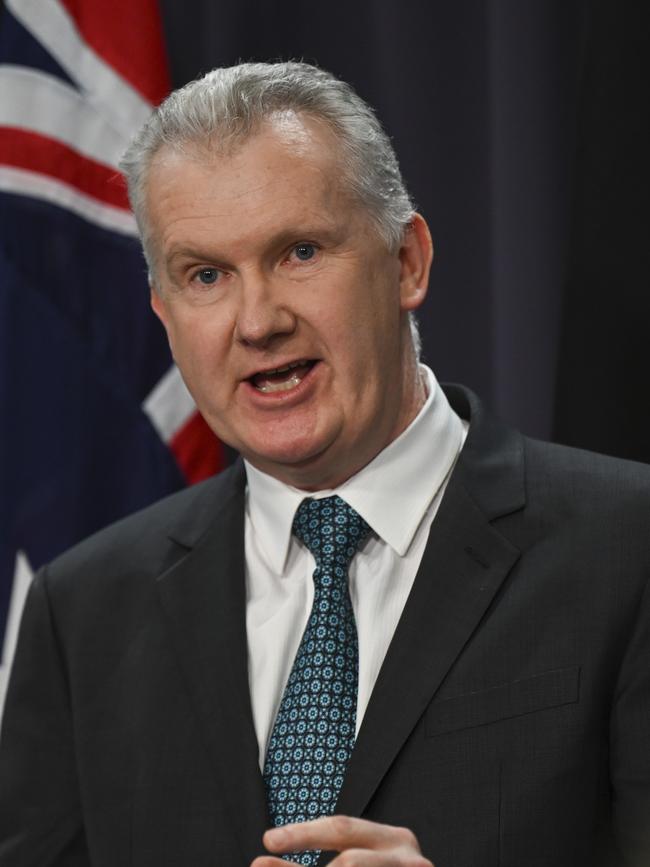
<point>548,689</point>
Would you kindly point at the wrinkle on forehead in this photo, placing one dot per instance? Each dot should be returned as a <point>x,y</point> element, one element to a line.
<point>316,189</point>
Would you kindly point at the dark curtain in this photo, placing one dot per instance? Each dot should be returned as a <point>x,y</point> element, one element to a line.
<point>603,361</point>
<point>518,127</point>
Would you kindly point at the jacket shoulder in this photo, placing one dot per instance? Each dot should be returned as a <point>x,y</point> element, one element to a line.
<point>580,473</point>
<point>144,541</point>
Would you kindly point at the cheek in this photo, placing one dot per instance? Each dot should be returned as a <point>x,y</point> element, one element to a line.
<point>197,336</point>
<point>374,308</point>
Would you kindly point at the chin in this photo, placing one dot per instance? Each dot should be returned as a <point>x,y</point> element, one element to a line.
<point>291,441</point>
<point>286,455</point>
<point>281,458</point>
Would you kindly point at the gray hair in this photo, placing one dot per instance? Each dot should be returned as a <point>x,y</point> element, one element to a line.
<point>225,107</point>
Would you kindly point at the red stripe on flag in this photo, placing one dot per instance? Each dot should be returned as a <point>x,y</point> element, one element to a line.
<point>197,450</point>
<point>128,35</point>
<point>37,153</point>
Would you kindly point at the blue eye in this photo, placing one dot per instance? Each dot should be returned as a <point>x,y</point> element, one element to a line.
<point>208,276</point>
<point>304,252</point>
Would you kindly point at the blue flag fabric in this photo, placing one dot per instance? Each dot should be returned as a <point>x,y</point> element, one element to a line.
<point>79,348</point>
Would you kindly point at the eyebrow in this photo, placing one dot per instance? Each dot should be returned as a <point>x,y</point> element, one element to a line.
<point>191,253</point>
<point>326,234</point>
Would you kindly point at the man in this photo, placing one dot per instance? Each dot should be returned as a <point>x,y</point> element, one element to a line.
<point>466,678</point>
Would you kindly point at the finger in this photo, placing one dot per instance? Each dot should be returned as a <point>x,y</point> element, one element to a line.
<point>270,861</point>
<point>384,858</point>
<point>337,833</point>
<point>360,857</point>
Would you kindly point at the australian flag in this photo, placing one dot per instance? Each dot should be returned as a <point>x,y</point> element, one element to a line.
<point>94,419</point>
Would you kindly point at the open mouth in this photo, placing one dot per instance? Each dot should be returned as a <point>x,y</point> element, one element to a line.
<point>282,378</point>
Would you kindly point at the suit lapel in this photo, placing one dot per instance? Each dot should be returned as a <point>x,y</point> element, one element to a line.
<point>204,599</point>
<point>465,562</point>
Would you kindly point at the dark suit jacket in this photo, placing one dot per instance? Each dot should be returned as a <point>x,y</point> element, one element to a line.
<point>510,723</point>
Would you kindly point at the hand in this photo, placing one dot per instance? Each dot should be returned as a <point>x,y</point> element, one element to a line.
<point>361,843</point>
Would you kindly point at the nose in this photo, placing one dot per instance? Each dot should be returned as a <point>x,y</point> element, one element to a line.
<point>261,314</point>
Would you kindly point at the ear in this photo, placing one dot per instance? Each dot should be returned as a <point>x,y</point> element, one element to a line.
<point>416,255</point>
<point>158,305</point>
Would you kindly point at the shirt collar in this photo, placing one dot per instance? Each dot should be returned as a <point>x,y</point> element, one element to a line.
<point>392,493</point>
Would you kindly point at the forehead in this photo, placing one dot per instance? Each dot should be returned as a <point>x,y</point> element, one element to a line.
<point>288,172</point>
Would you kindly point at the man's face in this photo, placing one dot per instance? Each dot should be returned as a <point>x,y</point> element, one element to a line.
<point>284,310</point>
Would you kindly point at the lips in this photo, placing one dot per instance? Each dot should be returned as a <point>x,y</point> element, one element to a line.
<point>284,378</point>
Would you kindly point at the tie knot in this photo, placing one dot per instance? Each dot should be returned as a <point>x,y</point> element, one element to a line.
<point>330,528</point>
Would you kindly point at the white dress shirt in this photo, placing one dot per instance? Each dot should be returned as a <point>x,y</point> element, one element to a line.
<point>398,495</point>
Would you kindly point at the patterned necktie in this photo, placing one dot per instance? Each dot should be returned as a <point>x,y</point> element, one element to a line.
<point>314,730</point>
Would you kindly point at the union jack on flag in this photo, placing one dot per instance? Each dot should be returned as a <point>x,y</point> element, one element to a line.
<point>95,420</point>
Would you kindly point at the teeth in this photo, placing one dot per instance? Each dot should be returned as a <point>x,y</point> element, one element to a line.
<point>263,381</point>
<point>268,387</point>
<point>286,367</point>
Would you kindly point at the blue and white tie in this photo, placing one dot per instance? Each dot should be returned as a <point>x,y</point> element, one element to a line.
<point>314,730</point>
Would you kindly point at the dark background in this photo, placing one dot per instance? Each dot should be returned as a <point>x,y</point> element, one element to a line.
<point>522,131</point>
